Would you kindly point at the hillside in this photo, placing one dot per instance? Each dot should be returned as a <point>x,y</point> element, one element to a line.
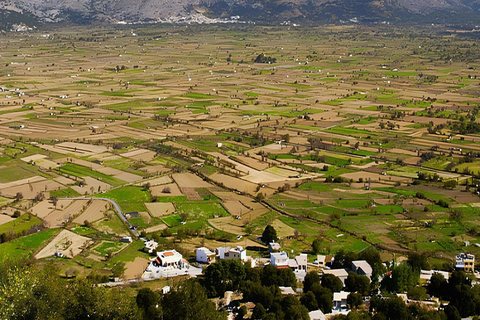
<point>264,11</point>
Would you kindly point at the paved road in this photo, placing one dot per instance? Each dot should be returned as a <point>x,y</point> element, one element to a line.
<point>117,208</point>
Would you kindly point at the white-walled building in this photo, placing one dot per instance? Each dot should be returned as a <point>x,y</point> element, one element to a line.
<point>205,255</point>
<point>340,300</point>
<point>279,259</point>
<point>362,267</point>
<point>169,258</point>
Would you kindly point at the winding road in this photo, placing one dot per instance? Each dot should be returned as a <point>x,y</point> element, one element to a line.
<point>117,208</point>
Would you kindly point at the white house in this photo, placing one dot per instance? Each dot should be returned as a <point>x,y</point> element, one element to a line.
<point>321,260</point>
<point>342,274</point>
<point>165,289</point>
<point>279,259</point>
<point>169,258</point>
<point>220,252</point>
<point>362,268</point>
<point>316,315</point>
<point>237,253</point>
<point>205,255</point>
<point>340,300</point>
<point>302,261</point>
<point>427,274</point>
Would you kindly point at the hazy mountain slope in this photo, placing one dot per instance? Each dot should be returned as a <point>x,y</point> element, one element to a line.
<point>272,11</point>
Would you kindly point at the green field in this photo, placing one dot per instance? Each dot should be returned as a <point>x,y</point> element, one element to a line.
<point>129,198</point>
<point>24,247</point>
<point>81,171</point>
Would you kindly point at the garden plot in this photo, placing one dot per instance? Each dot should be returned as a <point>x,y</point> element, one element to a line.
<point>82,148</point>
<point>189,180</point>
<point>157,181</point>
<point>5,218</point>
<point>126,176</point>
<point>9,211</point>
<point>166,190</point>
<point>92,186</point>
<point>42,209</point>
<point>140,155</point>
<point>235,208</point>
<point>21,182</point>
<point>226,224</point>
<point>66,242</point>
<point>191,193</point>
<point>93,212</point>
<point>134,269</point>
<point>156,228</point>
<point>160,209</point>
<point>33,158</point>
<point>234,183</point>
<point>30,190</point>
<point>57,218</point>
<point>64,180</point>
<point>276,174</point>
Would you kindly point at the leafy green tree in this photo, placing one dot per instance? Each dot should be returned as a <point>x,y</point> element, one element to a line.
<point>269,234</point>
<point>437,286</point>
<point>417,293</point>
<point>324,298</point>
<point>189,301</point>
<point>401,280</point>
<point>311,278</point>
<point>317,246</point>
<point>259,312</point>
<point>332,282</point>
<point>293,309</point>
<point>147,301</point>
<point>223,275</point>
<point>354,300</point>
<point>309,301</point>
<point>452,312</point>
<point>357,283</point>
<point>418,262</point>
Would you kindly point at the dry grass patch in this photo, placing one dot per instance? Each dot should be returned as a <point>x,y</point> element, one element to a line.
<point>66,242</point>
<point>160,209</point>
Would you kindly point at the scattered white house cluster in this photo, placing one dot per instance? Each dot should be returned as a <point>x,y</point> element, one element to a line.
<point>281,260</point>
<point>205,255</point>
<point>169,263</point>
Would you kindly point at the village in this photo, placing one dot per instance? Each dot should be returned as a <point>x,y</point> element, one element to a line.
<point>298,169</point>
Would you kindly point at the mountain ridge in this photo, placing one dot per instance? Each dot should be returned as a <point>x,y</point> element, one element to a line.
<point>263,11</point>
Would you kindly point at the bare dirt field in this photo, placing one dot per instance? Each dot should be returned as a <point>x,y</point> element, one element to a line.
<point>157,181</point>
<point>92,186</point>
<point>135,269</point>
<point>30,190</point>
<point>235,208</point>
<point>66,242</point>
<point>160,209</point>
<point>156,228</point>
<point>225,224</point>
<point>190,193</point>
<point>189,180</point>
<point>158,191</point>
<point>129,177</point>
<point>234,183</point>
<point>5,218</point>
<point>42,209</point>
<point>21,182</point>
<point>94,211</point>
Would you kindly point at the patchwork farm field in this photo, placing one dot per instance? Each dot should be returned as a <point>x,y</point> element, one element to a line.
<point>340,139</point>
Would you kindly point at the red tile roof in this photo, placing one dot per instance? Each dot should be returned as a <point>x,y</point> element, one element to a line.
<point>168,254</point>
